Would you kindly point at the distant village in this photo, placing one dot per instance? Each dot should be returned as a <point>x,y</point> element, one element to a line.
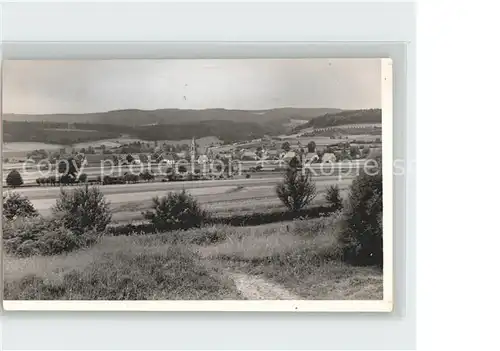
<point>264,149</point>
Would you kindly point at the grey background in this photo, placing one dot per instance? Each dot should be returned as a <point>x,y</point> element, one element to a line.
<point>268,30</point>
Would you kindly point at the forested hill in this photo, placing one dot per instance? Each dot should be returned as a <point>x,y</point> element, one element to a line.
<point>58,133</point>
<point>176,116</point>
<point>343,118</point>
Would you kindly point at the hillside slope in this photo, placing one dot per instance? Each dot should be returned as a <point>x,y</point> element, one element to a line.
<point>176,116</point>
<point>343,118</point>
<point>57,133</point>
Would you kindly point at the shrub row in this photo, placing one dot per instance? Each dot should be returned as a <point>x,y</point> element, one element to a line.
<point>69,180</point>
<point>127,178</point>
<point>64,180</point>
<point>235,220</point>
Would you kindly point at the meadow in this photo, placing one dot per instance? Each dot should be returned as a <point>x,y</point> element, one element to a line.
<point>293,260</point>
<point>290,236</point>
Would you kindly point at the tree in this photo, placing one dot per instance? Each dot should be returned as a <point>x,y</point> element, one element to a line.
<point>54,156</point>
<point>147,176</point>
<point>82,178</point>
<point>131,178</point>
<point>286,146</point>
<point>69,167</point>
<point>15,205</point>
<point>361,237</point>
<point>297,189</point>
<point>354,151</point>
<point>116,160</point>
<point>259,151</point>
<point>14,179</point>
<point>311,146</point>
<point>83,209</point>
<point>176,211</point>
<point>333,198</point>
<point>366,150</point>
<point>130,158</point>
<point>295,162</point>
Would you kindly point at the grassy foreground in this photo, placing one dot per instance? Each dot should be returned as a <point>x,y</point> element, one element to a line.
<point>119,268</point>
<point>300,257</point>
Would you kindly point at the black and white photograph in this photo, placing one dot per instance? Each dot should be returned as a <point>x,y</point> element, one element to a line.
<point>202,180</point>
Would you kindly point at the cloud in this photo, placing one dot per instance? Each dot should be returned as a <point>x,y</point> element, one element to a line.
<point>37,87</point>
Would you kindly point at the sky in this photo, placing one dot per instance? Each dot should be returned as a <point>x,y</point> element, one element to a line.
<point>45,87</point>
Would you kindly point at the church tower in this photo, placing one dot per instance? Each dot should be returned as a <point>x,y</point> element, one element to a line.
<point>193,150</point>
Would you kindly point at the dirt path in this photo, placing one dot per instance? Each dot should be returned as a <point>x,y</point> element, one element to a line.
<point>256,288</point>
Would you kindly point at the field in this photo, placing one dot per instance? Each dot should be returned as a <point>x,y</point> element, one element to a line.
<point>128,200</point>
<point>28,146</point>
<point>116,142</point>
<point>294,260</point>
<point>20,149</point>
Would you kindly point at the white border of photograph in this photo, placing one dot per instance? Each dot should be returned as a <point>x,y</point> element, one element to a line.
<point>384,305</point>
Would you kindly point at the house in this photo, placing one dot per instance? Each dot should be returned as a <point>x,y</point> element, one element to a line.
<point>144,158</point>
<point>271,155</point>
<point>328,157</point>
<point>168,158</point>
<point>203,159</point>
<point>287,156</point>
<point>183,155</point>
<point>95,159</point>
<point>249,156</point>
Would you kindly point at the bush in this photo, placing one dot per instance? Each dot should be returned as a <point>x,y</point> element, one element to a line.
<point>176,211</point>
<point>52,180</point>
<point>354,151</point>
<point>131,178</point>
<point>333,198</point>
<point>15,205</point>
<point>286,146</point>
<point>252,219</point>
<point>147,176</point>
<point>296,190</point>
<point>69,167</point>
<point>66,179</point>
<point>361,237</point>
<point>42,236</point>
<point>82,178</point>
<point>82,209</point>
<point>311,146</point>
<point>14,179</point>
<point>113,180</point>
